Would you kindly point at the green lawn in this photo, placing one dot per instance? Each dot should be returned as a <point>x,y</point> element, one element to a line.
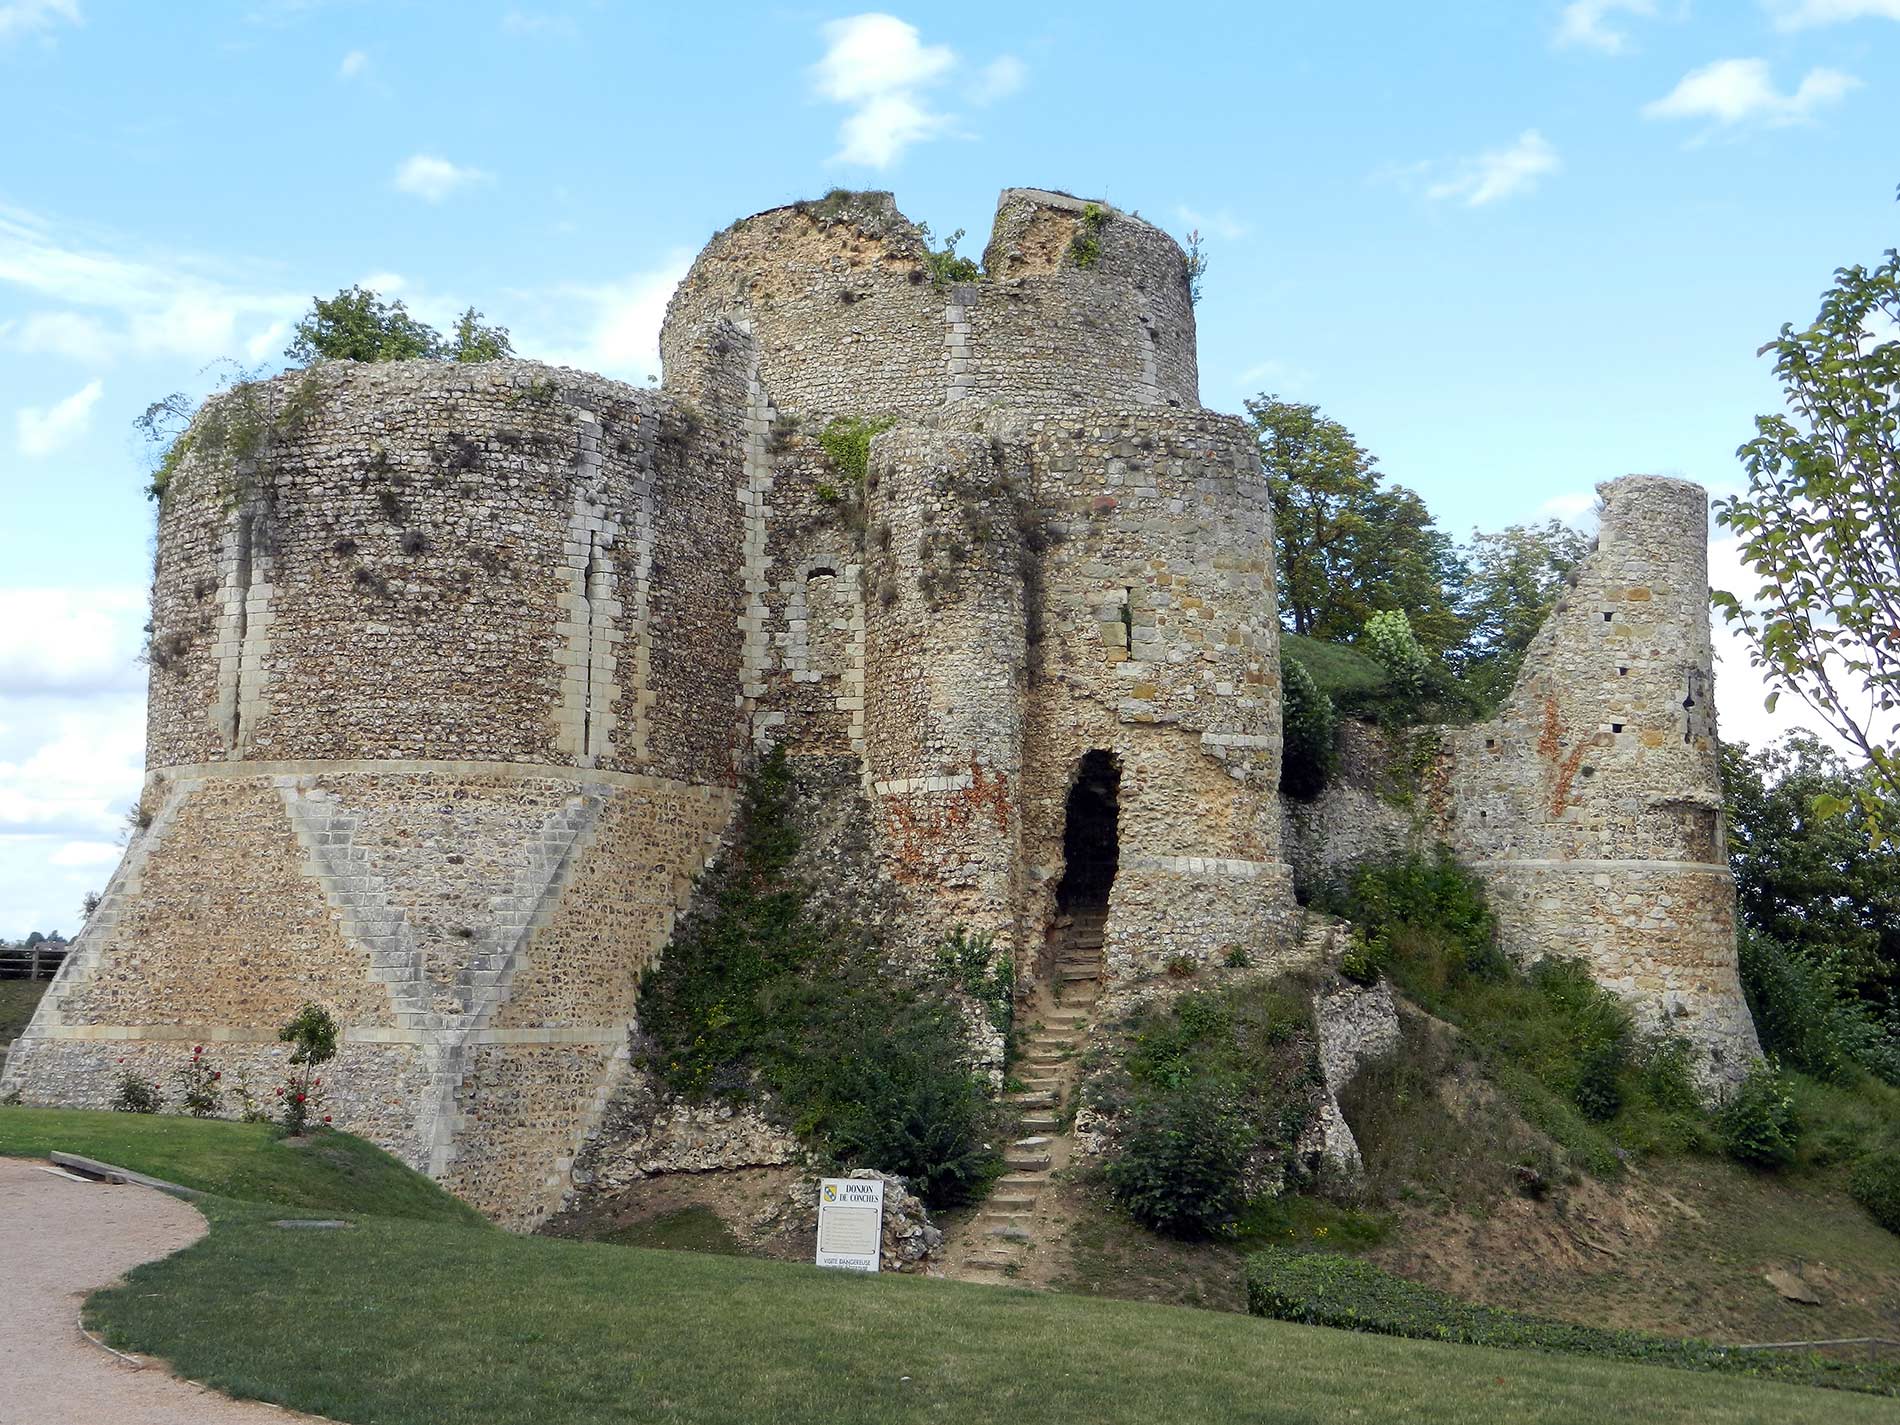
<point>397,1322</point>
<point>416,1318</point>
<point>333,1172</point>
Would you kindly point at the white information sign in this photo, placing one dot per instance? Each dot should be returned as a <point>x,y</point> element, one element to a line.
<point>850,1223</point>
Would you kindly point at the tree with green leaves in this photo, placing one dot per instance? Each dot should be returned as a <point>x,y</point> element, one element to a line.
<point>358,325</point>
<point>1349,545</point>
<point>1819,526</point>
<point>1511,583</point>
<point>1813,883</point>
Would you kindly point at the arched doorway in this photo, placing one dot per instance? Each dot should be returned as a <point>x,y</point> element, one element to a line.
<point>1091,846</point>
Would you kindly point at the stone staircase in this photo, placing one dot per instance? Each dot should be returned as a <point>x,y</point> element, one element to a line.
<point>997,1242</point>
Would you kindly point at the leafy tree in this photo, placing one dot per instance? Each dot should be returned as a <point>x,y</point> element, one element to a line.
<point>358,325</point>
<point>1813,884</point>
<point>471,341</point>
<point>1348,545</point>
<point>1511,583</point>
<point>1820,525</point>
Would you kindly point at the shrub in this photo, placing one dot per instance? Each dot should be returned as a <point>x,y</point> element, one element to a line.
<point>971,963</point>
<point>198,1089</point>
<point>1758,1123</point>
<point>312,1034</point>
<point>1875,1184</point>
<point>137,1093</point>
<point>1326,1289</point>
<point>1209,1100</point>
<point>1181,1162</point>
<point>1310,730</point>
<point>760,995</point>
<point>1389,639</point>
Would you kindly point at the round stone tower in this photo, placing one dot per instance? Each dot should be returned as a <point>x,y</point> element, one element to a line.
<point>1592,805</point>
<point>441,724</point>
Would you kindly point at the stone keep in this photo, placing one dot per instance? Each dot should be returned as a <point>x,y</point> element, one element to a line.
<point>456,669</point>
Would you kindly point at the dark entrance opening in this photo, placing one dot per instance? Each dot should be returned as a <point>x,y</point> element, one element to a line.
<point>1091,848</point>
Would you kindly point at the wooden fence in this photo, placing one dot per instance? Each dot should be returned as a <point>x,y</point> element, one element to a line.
<point>37,962</point>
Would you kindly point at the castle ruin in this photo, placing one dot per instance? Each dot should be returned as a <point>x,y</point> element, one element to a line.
<point>455,677</point>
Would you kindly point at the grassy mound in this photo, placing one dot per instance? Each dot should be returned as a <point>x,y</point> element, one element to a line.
<point>1322,1289</point>
<point>248,1162</point>
<point>1344,674</point>
<point>403,1323</point>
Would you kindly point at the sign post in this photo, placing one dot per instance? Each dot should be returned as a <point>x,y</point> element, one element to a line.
<point>850,1223</point>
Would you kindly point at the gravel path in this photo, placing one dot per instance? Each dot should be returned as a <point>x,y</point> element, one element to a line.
<point>60,1240</point>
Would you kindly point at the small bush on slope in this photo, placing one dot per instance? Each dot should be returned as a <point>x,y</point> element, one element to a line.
<point>1562,1047</point>
<point>757,991</point>
<point>1209,1101</point>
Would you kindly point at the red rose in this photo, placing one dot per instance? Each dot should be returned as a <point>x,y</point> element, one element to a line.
<point>326,1118</point>
<point>280,1093</point>
<point>198,1049</point>
<point>319,1083</point>
<point>299,1098</point>
<point>216,1075</point>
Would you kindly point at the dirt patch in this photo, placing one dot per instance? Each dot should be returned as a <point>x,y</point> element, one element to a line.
<point>752,1204</point>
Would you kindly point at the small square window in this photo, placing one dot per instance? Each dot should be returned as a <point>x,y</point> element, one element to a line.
<point>1616,727</point>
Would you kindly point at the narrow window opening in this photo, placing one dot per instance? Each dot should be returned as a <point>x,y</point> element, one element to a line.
<point>1622,672</point>
<point>1608,616</point>
<point>1128,624</point>
<point>1616,727</point>
<point>821,572</point>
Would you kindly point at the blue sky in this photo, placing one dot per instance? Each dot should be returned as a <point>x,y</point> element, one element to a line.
<point>1518,248</point>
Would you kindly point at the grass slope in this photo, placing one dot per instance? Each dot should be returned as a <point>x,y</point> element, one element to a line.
<point>332,1172</point>
<point>400,1322</point>
<point>18,1000</point>
<point>1341,672</point>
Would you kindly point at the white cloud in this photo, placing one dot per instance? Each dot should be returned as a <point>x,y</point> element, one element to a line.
<point>86,853</point>
<point>1220,223</point>
<point>1742,689</point>
<point>879,67</point>
<point>1499,173</point>
<point>71,642</point>
<point>1577,507</point>
<point>36,17</point>
<point>69,334</point>
<point>43,430</point>
<point>162,303</point>
<point>432,178</point>
<point>353,65</point>
<point>1586,23</point>
<point>72,745</point>
<point>1735,91</point>
<point>1807,14</point>
<point>999,79</point>
<point>535,22</point>
<point>613,329</point>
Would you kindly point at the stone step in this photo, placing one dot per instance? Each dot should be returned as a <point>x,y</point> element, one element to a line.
<point>1041,1083</point>
<point>1042,1122</point>
<point>1022,1181</point>
<point>1067,972</point>
<point>994,1257</point>
<point>1009,1232</point>
<point>1060,1018</point>
<point>1029,1153</point>
<point>1009,1203</point>
<point>1032,1098</point>
<point>1049,1058</point>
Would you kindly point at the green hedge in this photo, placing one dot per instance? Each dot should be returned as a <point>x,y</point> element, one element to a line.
<point>1323,1289</point>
